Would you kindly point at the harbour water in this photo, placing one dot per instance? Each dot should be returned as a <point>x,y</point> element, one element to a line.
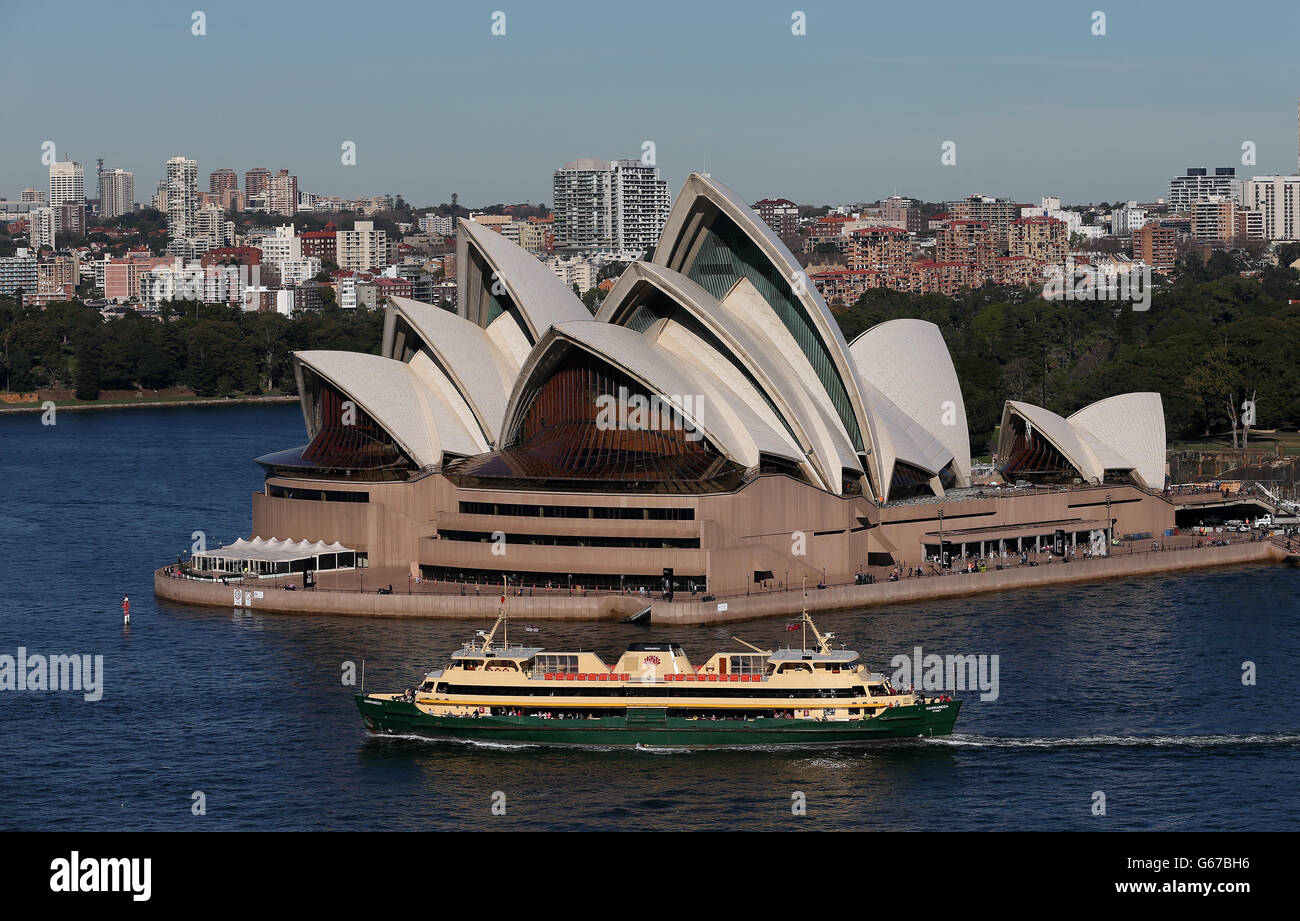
<point>1131,688</point>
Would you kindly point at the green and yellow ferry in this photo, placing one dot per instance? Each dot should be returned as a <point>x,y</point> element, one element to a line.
<point>655,697</point>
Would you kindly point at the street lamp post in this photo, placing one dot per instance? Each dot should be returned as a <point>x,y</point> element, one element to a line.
<point>940,540</point>
<point>1110,526</point>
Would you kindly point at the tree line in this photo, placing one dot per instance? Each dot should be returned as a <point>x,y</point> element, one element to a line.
<point>1210,340</point>
<point>212,349</point>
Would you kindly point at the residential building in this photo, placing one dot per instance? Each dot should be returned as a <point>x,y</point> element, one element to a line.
<point>537,235</point>
<point>781,214</point>
<point>42,225</point>
<point>361,248</point>
<point>116,193</point>
<point>433,222</point>
<point>222,180</point>
<point>182,197</point>
<point>1214,220</point>
<point>997,213</point>
<point>903,212</point>
<point>282,194</point>
<point>319,243</point>
<point>1198,185</point>
<point>616,205</point>
<point>68,186</point>
<point>18,273</point>
<point>1154,245</point>
<point>256,181</point>
<point>1126,219</point>
<point>1277,198</point>
<point>1045,240</point>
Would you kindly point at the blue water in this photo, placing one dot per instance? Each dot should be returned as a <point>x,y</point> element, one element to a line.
<point>1132,688</point>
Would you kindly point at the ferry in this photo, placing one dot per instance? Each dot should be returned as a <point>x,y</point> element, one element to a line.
<point>655,697</point>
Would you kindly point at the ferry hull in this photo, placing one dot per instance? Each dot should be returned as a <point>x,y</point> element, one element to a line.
<point>398,717</point>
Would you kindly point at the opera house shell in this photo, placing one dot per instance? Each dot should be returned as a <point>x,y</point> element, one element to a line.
<point>710,419</point>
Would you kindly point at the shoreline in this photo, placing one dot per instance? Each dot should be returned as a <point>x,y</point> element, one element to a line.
<point>697,613</point>
<point>148,404</point>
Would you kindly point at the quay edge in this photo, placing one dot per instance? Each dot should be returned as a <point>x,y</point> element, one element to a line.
<point>735,608</point>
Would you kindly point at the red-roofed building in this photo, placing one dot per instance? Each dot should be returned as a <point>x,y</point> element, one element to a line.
<point>319,243</point>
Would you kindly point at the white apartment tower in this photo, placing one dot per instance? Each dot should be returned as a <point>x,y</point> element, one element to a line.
<point>182,197</point>
<point>619,205</point>
<point>1199,185</point>
<point>116,192</point>
<point>42,223</point>
<point>1278,199</point>
<point>67,187</point>
<point>361,248</point>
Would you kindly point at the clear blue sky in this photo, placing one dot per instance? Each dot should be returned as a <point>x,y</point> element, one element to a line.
<point>854,110</point>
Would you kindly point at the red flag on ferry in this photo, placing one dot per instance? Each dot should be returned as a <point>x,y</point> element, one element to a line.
<point>791,627</point>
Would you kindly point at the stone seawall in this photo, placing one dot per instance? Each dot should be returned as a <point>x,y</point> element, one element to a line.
<point>372,604</point>
<point>777,604</point>
<point>772,604</point>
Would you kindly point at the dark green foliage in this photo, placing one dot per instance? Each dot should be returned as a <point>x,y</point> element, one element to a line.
<point>1210,333</point>
<point>214,350</point>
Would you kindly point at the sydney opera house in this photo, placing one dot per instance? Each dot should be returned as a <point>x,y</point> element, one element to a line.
<point>710,419</point>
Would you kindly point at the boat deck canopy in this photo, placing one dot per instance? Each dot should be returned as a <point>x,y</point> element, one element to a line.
<point>798,655</point>
<point>520,653</point>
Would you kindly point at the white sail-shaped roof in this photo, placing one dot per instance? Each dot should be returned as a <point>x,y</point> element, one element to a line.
<point>698,208</point>
<point>720,415</point>
<point>776,389</point>
<point>908,362</point>
<point>1060,434</point>
<point>1127,432</point>
<point>1124,433</point>
<point>466,354</point>
<point>542,300</point>
<point>418,418</point>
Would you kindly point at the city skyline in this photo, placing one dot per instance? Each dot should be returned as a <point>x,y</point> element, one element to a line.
<point>829,117</point>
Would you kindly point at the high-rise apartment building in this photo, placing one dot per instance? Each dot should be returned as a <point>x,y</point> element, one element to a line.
<point>32,195</point>
<point>42,224</point>
<point>68,186</point>
<point>361,248</point>
<point>1199,185</point>
<point>1277,198</point>
<point>618,205</point>
<point>1214,220</point>
<point>997,213</point>
<point>781,214</point>
<point>182,197</point>
<point>116,192</point>
<point>256,181</point>
<point>282,194</point>
<point>222,180</point>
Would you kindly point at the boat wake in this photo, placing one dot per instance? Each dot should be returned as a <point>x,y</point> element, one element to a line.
<point>1263,740</point>
<point>472,743</point>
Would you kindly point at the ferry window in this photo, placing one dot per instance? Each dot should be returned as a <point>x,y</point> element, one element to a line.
<point>878,690</point>
<point>747,664</point>
<point>551,662</point>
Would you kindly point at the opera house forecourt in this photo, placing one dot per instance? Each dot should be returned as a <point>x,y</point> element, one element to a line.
<point>708,431</point>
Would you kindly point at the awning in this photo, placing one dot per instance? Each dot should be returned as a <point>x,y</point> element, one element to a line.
<point>273,550</point>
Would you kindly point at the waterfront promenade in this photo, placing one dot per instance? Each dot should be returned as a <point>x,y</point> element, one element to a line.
<point>442,600</point>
